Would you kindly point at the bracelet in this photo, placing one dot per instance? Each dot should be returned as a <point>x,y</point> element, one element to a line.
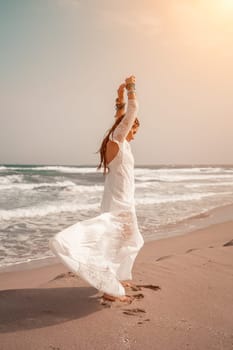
<point>118,100</point>
<point>129,86</point>
<point>119,106</point>
<point>131,91</point>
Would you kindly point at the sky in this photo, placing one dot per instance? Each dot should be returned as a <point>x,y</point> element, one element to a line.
<point>61,62</point>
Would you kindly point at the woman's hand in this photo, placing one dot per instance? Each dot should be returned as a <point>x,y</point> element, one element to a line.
<point>129,81</point>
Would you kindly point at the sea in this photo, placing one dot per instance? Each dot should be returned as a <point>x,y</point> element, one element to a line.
<point>38,201</point>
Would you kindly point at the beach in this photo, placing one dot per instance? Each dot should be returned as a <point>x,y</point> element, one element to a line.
<point>183,300</point>
<point>116,162</point>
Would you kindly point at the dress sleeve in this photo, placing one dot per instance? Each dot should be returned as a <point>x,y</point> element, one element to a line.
<point>123,128</point>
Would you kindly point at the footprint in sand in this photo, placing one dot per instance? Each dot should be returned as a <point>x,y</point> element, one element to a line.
<point>191,250</point>
<point>228,244</point>
<point>131,286</point>
<point>138,296</point>
<point>141,322</point>
<point>163,257</point>
<point>137,287</point>
<point>149,286</point>
<point>133,312</point>
<point>64,275</point>
<point>136,312</point>
<point>108,303</point>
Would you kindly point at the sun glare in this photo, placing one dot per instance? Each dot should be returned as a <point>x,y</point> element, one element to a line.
<point>226,4</point>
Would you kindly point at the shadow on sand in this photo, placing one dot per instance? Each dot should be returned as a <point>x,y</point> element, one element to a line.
<point>22,309</point>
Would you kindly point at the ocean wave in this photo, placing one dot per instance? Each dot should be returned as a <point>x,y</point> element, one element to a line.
<point>204,184</point>
<point>13,261</point>
<point>179,178</point>
<point>63,169</point>
<point>183,170</point>
<point>159,172</point>
<point>34,211</point>
<point>10,179</point>
<point>153,185</point>
<point>159,199</point>
<point>68,185</point>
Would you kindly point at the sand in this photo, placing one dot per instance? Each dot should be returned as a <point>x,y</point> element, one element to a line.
<point>184,300</point>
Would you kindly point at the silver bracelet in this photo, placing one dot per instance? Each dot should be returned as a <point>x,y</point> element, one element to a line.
<point>130,86</point>
<point>120,106</point>
<point>131,91</point>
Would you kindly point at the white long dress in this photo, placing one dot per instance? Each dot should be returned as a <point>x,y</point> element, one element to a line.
<point>102,250</point>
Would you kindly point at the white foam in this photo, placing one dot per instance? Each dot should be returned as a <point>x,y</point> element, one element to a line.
<point>45,210</point>
<point>8,262</point>
<point>204,184</point>
<point>10,179</point>
<point>87,189</point>
<point>153,185</point>
<point>68,185</point>
<point>146,185</point>
<point>158,199</point>
<point>30,186</point>
<point>163,177</point>
<point>181,170</point>
<point>63,169</point>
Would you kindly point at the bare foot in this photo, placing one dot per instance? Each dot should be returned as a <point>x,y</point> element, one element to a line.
<point>109,297</point>
<point>126,284</point>
<point>124,298</point>
<point>130,285</point>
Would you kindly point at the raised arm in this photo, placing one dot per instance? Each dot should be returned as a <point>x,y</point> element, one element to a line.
<point>127,122</point>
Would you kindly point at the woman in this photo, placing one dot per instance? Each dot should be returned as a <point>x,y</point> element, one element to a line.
<point>102,250</point>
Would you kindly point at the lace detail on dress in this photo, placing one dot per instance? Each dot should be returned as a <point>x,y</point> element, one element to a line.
<point>126,123</point>
<point>128,219</point>
<point>101,280</point>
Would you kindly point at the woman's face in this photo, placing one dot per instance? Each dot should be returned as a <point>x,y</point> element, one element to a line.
<point>132,133</point>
